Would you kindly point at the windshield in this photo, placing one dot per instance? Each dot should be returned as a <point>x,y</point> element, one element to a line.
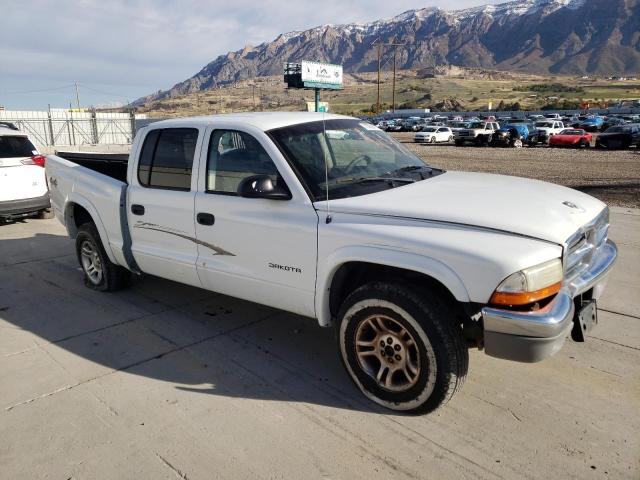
<point>569,131</point>
<point>617,130</point>
<point>362,160</point>
<point>477,125</point>
<point>430,129</point>
<point>17,146</point>
<point>544,124</point>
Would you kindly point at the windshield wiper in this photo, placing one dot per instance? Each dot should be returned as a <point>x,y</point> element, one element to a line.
<point>419,169</point>
<point>389,180</point>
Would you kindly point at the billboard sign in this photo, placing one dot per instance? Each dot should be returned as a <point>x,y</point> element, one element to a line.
<point>321,75</point>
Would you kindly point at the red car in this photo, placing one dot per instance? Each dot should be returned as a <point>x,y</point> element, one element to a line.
<point>571,137</point>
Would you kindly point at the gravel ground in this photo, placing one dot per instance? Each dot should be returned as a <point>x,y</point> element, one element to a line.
<point>612,176</point>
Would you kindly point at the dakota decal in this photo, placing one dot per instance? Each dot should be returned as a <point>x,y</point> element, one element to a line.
<point>286,268</point>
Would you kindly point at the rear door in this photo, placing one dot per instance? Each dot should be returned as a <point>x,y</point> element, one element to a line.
<point>160,204</point>
<point>20,176</point>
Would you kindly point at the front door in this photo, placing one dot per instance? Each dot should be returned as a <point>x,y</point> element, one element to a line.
<point>160,205</point>
<point>257,249</point>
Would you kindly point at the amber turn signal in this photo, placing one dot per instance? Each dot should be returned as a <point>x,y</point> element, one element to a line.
<point>524,298</point>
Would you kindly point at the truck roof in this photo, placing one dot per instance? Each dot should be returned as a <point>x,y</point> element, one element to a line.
<point>262,120</point>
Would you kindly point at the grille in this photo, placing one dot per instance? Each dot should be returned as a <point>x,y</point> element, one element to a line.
<point>584,245</point>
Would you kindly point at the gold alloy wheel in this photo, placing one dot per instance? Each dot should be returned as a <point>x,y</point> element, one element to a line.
<point>388,353</point>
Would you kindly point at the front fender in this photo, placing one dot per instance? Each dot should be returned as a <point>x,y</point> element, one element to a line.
<point>383,256</point>
<point>75,198</point>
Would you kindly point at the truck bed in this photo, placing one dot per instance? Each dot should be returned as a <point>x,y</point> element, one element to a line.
<point>97,183</point>
<point>113,165</point>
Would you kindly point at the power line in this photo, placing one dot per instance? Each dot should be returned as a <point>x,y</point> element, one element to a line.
<point>38,90</point>
<point>102,92</point>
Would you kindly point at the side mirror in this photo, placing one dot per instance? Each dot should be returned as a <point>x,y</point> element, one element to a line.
<point>261,186</point>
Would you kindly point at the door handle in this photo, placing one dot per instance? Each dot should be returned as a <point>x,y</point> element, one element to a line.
<point>137,209</point>
<point>205,219</point>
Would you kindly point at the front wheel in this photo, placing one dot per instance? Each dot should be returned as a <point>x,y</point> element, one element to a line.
<point>403,349</point>
<point>517,143</point>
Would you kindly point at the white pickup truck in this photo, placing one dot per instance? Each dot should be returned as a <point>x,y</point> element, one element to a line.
<point>478,133</point>
<point>546,129</point>
<point>329,217</point>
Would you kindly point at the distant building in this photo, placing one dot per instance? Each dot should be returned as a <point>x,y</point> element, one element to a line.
<point>429,72</point>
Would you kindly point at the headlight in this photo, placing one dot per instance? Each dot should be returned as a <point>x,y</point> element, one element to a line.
<point>529,285</point>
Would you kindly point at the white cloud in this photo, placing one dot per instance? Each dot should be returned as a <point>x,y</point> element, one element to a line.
<point>134,47</point>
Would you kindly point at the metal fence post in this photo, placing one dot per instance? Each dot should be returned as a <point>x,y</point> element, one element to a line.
<point>132,118</point>
<point>53,139</point>
<point>94,126</point>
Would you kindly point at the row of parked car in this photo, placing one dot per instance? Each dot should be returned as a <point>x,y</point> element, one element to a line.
<point>619,132</point>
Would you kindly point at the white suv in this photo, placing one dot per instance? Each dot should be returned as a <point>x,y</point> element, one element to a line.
<point>433,134</point>
<point>23,184</point>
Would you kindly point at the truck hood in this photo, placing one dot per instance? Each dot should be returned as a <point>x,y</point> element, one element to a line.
<point>509,204</point>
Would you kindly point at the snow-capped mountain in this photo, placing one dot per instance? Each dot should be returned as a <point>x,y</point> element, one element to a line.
<point>539,36</point>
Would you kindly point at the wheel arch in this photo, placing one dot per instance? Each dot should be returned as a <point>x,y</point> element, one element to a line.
<point>351,267</point>
<point>79,210</point>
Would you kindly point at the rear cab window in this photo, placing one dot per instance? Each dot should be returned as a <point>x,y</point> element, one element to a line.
<point>166,159</point>
<point>16,146</point>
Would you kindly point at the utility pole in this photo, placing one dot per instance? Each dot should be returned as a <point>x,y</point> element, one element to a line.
<point>378,98</point>
<point>253,95</point>
<point>393,89</point>
<point>77,96</point>
<point>395,50</point>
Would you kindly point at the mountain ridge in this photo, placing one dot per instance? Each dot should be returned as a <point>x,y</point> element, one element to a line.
<point>570,37</point>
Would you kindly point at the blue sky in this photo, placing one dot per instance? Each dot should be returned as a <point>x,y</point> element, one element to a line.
<point>119,50</point>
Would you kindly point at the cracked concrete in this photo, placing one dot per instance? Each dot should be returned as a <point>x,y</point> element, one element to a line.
<point>168,381</point>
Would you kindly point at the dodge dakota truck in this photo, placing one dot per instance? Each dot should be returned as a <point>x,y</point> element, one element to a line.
<point>329,217</point>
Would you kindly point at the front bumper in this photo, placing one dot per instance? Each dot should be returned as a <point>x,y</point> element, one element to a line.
<point>534,336</point>
<point>22,207</point>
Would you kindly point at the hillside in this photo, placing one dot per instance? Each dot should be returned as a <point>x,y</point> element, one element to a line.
<point>469,88</point>
<point>560,37</point>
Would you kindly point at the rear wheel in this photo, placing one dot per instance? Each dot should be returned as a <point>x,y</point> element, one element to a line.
<point>402,349</point>
<point>99,272</point>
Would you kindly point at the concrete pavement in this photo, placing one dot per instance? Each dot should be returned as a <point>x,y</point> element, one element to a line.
<point>168,381</point>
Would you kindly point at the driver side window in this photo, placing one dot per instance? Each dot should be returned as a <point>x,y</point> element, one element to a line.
<point>234,156</point>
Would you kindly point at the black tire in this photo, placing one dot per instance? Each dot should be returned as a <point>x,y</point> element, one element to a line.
<point>436,332</point>
<point>45,214</point>
<point>113,277</point>
<point>433,139</point>
<point>459,143</point>
<point>583,144</point>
